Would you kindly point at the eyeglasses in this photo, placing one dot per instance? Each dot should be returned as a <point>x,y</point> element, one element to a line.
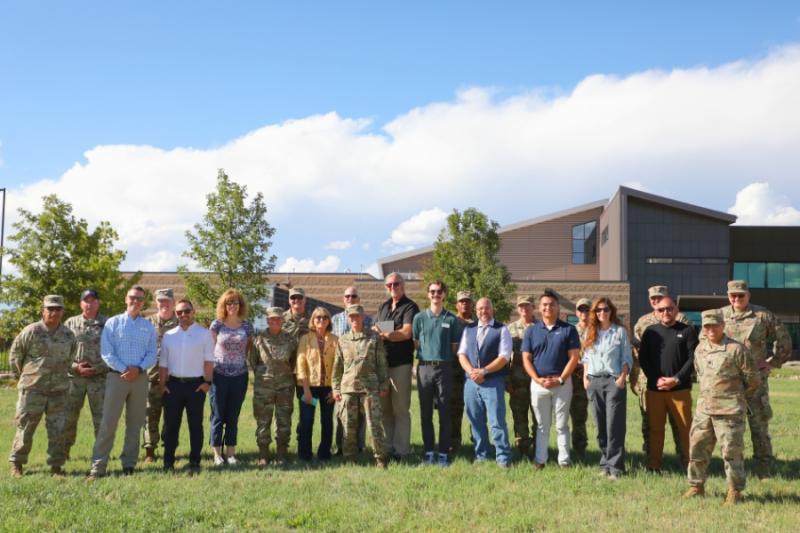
<point>136,298</point>
<point>583,309</point>
<point>738,295</point>
<point>181,312</point>
<point>436,291</point>
<point>232,302</point>
<point>351,295</point>
<point>54,309</point>
<point>393,284</point>
<point>296,297</point>
<point>665,309</point>
<point>320,318</point>
<point>602,310</point>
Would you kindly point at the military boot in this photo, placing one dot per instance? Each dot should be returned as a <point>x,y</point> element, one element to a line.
<point>263,455</point>
<point>695,491</point>
<point>149,455</point>
<point>734,496</point>
<point>16,470</point>
<point>762,470</point>
<point>380,462</point>
<point>57,471</point>
<point>282,454</point>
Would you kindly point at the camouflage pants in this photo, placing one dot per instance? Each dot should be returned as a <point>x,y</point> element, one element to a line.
<point>642,395</point>
<point>519,400</point>
<point>31,405</point>
<point>79,389</point>
<point>154,408</point>
<point>758,416</point>
<point>706,431</point>
<point>579,412</point>
<point>368,404</point>
<point>271,399</point>
<point>456,405</point>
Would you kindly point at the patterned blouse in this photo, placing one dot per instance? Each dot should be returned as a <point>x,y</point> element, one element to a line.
<point>230,352</point>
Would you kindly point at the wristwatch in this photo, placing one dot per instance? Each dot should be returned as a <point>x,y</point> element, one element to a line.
<point>560,381</point>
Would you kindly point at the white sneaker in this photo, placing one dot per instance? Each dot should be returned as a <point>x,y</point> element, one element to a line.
<point>219,460</point>
<point>231,460</point>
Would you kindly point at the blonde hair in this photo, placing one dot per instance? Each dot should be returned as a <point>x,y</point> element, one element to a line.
<point>319,311</point>
<point>222,312</point>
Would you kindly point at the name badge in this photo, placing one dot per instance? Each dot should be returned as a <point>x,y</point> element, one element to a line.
<point>445,325</point>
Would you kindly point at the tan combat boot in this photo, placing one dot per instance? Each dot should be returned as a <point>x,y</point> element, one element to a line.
<point>149,455</point>
<point>380,462</point>
<point>695,491</point>
<point>281,454</point>
<point>734,496</point>
<point>16,470</point>
<point>263,455</point>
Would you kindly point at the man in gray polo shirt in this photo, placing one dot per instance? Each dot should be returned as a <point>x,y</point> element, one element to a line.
<point>435,333</point>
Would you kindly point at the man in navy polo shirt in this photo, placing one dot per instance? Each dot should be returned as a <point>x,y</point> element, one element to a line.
<point>550,352</point>
<point>484,352</point>
<point>436,336</point>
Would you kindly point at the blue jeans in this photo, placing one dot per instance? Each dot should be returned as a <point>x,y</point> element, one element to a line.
<point>307,424</point>
<point>226,396</point>
<point>482,401</point>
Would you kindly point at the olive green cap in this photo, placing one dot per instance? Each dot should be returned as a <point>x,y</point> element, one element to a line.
<point>356,309</point>
<point>464,295</point>
<point>713,317</point>
<point>297,291</point>
<point>165,294</point>
<point>526,299</point>
<point>658,290</point>
<point>583,301</point>
<point>53,300</point>
<point>737,286</point>
<point>274,312</point>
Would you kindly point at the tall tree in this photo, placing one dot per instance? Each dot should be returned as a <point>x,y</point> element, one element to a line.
<point>55,253</point>
<point>465,257</point>
<point>231,244</point>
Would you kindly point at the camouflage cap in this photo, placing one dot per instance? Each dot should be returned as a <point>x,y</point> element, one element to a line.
<point>274,312</point>
<point>583,301</point>
<point>713,317</point>
<point>737,286</point>
<point>464,295</point>
<point>297,291</point>
<point>525,299</point>
<point>89,292</point>
<point>53,300</point>
<point>165,294</point>
<point>356,309</point>
<point>657,291</point>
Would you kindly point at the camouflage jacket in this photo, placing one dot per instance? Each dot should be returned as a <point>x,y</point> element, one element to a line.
<point>161,326</point>
<point>360,364</point>
<point>87,333</point>
<point>762,333</point>
<point>517,330</point>
<point>295,325</point>
<point>273,357</point>
<point>644,322</point>
<point>41,360</point>
<point>727,376</point>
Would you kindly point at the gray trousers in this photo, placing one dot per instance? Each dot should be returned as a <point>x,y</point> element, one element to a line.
<point>133,396</point>
<point>609,409</point>
<point>434,384</point>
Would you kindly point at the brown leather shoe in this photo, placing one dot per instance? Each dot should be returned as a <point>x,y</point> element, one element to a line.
<point>538,466</point>
<point>16,470</point>
<point>149,455</point>
<point>695,491</point>
<point>734,496</point>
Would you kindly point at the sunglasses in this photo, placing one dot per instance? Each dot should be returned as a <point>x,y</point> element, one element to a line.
<point>232,302</point>
<point>54,309</point>
<point>436,291</point>
<point>737,295</point>
<point>320,318</point>
<point>136,298</point>
<point>393,284</point>
<point>665,309</point>
<point>296,297</point>
<point>181,312</point>
<point>603,310</point>
<point>351,295</point>
<point>583,309</point>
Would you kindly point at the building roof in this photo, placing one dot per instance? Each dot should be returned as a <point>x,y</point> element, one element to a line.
<point>683,206</point>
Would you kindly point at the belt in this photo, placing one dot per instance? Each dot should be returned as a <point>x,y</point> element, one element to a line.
<point>601,376</point>
<point>431,363</point>
<point>186,380</point>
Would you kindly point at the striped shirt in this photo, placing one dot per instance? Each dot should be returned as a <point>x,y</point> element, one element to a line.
<point>128,341</point>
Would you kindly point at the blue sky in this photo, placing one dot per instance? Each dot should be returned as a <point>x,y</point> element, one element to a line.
<point>279,93</point>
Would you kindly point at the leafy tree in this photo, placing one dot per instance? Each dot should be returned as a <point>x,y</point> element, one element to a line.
<point>231,244</point>
<point>465,258</point>
<point>55,253</point>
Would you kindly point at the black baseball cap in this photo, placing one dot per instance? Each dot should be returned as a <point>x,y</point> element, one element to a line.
<point>89,292</point>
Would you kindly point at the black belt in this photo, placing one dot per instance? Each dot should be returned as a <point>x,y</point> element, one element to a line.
<point>186,380</point>
<point>431,363</point>
<point>601,376</point>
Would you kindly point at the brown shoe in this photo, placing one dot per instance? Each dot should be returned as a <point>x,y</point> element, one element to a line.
<point>263,455</point>
<point>380,463</point>
<point>57,471</point>
<point>281,454</point>
<point>149,455</point>
<point>16,470</point>
<point>538,466</point>
<point>734,496</point>
<point>695,491</point>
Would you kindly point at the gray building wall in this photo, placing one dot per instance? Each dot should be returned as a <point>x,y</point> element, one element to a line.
<point>659,231</point>
<point>610,252</point>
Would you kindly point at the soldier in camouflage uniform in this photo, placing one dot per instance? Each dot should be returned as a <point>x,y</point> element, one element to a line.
<point>579,407</point>
<point>637,378</point>
<point>272,358</point>
<point>40,358</point>
<point>295,320</point>
<point>771,346</point>
<point>163,321</point>
<point>465,317</point>
<point>88,371</point>
<point>518,382</point>
<point>360,379</point>
<point>728,379</point>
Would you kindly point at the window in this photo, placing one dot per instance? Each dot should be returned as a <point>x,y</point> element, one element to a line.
<point>584,244</point>
<point>686,261</point>
<point>604,236</point>
<point>768,275</point>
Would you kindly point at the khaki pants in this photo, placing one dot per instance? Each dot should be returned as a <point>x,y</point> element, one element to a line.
<point>679,406</point>
<point>396,411</point>
<point>132,395</point>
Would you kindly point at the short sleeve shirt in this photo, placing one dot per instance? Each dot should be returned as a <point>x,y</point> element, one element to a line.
<point>550,347</point>
<point>230,352</point>
<point>435,335</point>
<point>399,353</point>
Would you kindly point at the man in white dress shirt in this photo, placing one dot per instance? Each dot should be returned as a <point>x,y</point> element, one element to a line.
<point>186,369</point>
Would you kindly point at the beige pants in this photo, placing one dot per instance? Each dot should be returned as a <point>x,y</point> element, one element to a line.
<point>396,411</point>
<point>133,396</point>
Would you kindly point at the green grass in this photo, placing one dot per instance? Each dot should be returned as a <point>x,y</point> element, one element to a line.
<point>404,497</point>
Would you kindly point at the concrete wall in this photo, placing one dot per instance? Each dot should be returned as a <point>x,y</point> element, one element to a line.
<point>610,253</point>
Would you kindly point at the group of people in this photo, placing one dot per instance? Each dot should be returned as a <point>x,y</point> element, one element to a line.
<point>358,371</point>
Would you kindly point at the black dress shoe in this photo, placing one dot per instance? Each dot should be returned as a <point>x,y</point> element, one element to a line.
<point>127,471</point>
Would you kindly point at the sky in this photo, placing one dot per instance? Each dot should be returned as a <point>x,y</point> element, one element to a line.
<point>364,124</point>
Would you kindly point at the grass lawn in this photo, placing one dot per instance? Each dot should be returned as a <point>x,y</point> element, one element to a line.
<point>408,496</point>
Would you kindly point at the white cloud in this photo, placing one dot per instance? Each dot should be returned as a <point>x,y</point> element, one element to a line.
<point>365,246</point>
<point>339,245</point>
<point>292,264</point>
<point>421,228</point>
<point>694,135</point>
<point>759,205</point>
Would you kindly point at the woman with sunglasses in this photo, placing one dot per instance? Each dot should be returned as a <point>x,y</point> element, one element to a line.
<point>233,337</point>
<point>315,354</point>
<point>607,360</point>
